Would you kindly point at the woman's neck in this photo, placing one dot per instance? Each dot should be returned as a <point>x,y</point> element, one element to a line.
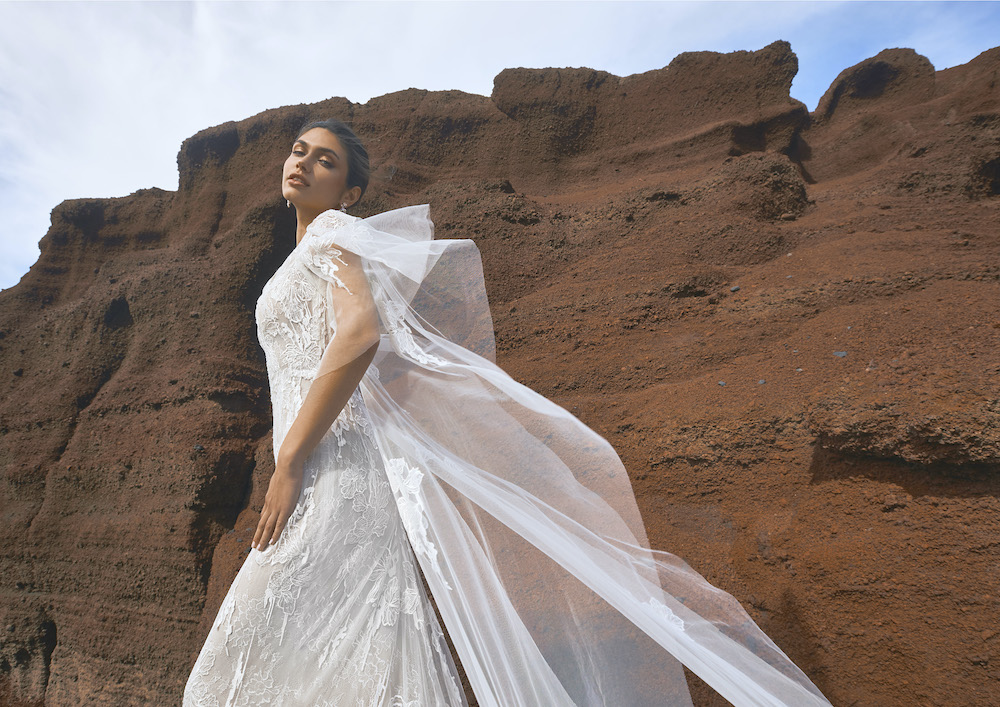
<point>303,219</point>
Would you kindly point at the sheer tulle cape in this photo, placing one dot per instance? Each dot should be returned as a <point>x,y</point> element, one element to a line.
<point>523,519</point>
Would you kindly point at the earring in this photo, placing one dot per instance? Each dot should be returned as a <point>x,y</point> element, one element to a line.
<point>289,203</point>
<point>343,206</point>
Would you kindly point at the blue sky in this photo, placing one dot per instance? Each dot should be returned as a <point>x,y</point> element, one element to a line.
<point>96,97</point>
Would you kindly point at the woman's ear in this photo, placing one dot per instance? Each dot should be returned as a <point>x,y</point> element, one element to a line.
<point>352,195</point>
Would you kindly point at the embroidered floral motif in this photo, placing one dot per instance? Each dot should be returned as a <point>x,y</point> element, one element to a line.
<point>400,332</point>
<point>405,482</point>
<point>322,617</point>
<point>665,611</point>
<point>322,258</point>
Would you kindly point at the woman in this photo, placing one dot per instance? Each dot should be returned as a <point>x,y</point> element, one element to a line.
<point>399,441</point>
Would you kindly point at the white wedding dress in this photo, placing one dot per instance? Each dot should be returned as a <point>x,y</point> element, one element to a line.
<point>333,613</point>
<point>522,519</point>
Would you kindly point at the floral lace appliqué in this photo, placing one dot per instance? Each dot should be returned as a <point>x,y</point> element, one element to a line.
<point>665,611</point>
<point>405,481</point>
<point>323,616</point>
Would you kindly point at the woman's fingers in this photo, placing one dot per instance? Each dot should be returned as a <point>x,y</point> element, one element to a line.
<point>270,530</point>
<point>282,495</point>
<point>279,526</point>
<point>264,527</point>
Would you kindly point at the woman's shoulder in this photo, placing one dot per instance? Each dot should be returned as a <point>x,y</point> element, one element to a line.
<point>331,218</point>
<point>326,229</point>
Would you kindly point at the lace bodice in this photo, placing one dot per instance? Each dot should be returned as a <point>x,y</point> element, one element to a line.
<point>295,325</point>
<point>523,520</point>
<point>333,614</point>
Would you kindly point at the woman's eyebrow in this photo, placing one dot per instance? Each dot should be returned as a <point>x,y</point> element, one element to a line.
<point>321,149</point>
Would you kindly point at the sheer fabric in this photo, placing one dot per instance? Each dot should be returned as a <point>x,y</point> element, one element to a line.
<point>334,613</point>
<point>522,518</point>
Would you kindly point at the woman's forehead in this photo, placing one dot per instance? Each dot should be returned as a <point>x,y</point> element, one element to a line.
<point>319,136</point>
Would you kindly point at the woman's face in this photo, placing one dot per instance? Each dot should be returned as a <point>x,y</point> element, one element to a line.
<point>314,177</point>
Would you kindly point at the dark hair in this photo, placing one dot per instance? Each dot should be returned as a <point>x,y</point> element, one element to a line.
<point>358,166</point>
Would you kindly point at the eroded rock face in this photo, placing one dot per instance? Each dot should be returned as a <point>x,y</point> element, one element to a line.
<point>893,78</point>
<point>947,422</point>
<point>786,323</point>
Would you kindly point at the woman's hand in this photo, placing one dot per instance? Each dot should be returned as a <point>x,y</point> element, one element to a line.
<point>282,495</point>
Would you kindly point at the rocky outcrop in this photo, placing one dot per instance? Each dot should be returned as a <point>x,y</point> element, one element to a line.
<point>785,322</point>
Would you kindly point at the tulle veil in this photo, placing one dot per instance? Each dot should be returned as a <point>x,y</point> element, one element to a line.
<point>522,518</point>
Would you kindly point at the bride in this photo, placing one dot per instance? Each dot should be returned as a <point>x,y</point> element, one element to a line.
<point>400,446</point>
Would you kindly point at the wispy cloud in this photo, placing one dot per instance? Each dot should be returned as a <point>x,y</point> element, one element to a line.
<point>96,98</point>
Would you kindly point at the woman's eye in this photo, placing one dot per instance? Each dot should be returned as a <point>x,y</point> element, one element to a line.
<point>297,152</point>
<point>326,163</point>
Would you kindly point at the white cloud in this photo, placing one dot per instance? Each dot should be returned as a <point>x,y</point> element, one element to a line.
<point>96,98</point>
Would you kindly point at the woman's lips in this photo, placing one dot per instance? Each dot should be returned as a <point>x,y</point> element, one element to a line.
<point>295,181</point>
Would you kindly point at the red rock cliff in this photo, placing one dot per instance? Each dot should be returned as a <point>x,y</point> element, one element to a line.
<point>787,323</point>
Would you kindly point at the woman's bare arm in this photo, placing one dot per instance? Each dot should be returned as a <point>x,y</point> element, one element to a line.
<point>342,367</point>
<point>327,397</point>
